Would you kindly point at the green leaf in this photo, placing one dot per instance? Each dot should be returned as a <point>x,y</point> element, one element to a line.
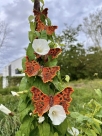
<point>42,1</point>
<point>79,117</point>
<point>98,121</point>
<point>90,132</point>
<point>51,134</point>
<point>62,128</point>
<point>18,133</point>
<point>24,113</point>
<point>22,86</point>
<point>39,84</point>
<point>32,26</point>
<point>67,78</point>
<point>23,63</point>
<point>22,106</point>
<point>43,35</point>
<point>35,132</point>
<point>59,85</point>
<point>51,63</point>
<point>30,18</point>
<point>98,92</point>
<point>31,36</point>
<point>26,126</point>
<point>37,34</point>
<point>97,126</point>
<point>48,22</point>
<point>99,113</point>
<point>44,129</point>
<point>30,52</point>
<point>55,134</point>
<point>95,129</point>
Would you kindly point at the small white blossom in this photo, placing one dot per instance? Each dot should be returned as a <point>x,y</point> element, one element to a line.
<point>14,93</point>
<point>57,114</point>
<point>41,46</point>
<point>5,110</point>
<point>73,131</point>
<point>41,119</point>
<point>30,114</point>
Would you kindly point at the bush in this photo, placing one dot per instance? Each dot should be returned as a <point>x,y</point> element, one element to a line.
<point>7,90</point>
<point>14,81</point>
<point>0,82</point>
<point>9,125</point>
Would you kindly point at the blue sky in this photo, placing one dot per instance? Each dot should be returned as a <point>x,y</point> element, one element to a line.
<point>15,13</point>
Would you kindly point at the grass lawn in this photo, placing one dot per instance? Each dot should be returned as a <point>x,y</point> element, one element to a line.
<point>84,92</point>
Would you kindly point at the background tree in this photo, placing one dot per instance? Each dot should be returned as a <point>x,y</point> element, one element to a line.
<point>77,61</point>
<point>92,27</point>
<point>71,59</point>
<point>94,62</point>
<point>72,62</point>
<point>4,33</point>
<point>68,36</point>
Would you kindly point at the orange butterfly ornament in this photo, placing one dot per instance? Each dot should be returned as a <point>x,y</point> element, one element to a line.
<point>43,102</point>
<point>39,13</point>
<point>47,73</point>
<point>40,25</point>
<point>32,67</point>
<point>53,52</point>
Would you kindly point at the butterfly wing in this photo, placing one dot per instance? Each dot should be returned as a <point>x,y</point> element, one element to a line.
<point>50,29</point>
<point>48,73</point>
<point>45,12</point>
<point>63,98</point>
<point>40,26</point>
<point>54,52</point>
<point>38,13</point>
<point>40,100</point>
<point>32,68</point>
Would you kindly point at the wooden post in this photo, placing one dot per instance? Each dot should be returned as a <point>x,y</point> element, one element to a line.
<point>37,5</point>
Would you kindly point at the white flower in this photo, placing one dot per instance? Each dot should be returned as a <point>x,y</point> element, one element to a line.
<point>5,110</point>
<point>57,114</point>
<point>30,114</point>
<point>41,119</point>
<point>14,93</point>
<point>73,131</point>
<point>41,46</point>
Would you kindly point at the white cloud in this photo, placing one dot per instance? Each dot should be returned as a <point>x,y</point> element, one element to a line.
<point>16,12</point>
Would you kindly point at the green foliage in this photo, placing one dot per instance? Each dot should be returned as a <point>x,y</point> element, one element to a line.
<point>30,52</point>
<point>86,107</point>
<point>14,81</point>
<point>79,63</point>
<point>30,18</point>
<point>72,62</point>
<point>0,82</point>
<point>43,35</point>
<point>9,125</point>
<point>7,90</point>
<point>87,120</point>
